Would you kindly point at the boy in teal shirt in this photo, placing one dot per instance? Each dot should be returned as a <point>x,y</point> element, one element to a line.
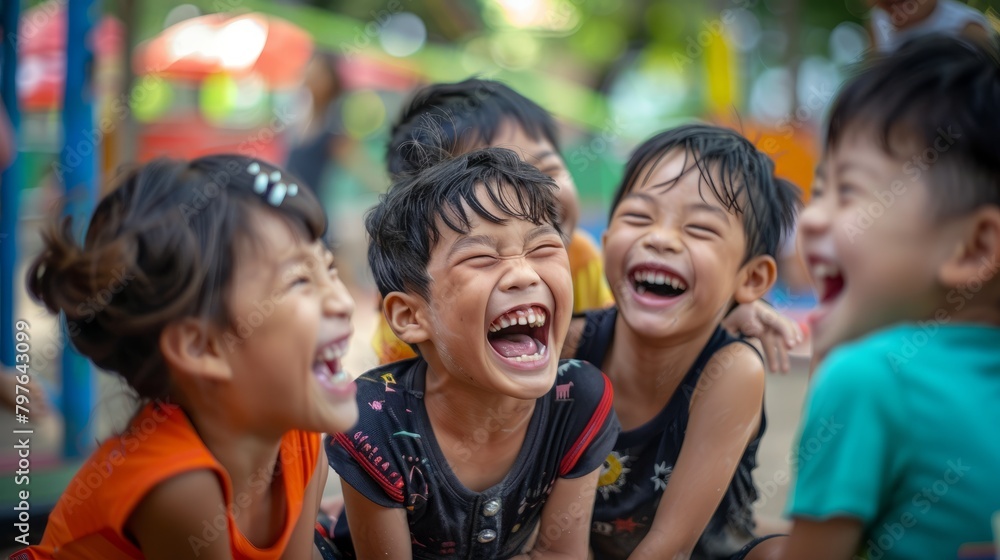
<point>899,454</point>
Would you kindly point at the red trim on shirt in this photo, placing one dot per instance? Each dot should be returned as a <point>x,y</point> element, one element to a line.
<point>590,432</point>
<point>394,492</point>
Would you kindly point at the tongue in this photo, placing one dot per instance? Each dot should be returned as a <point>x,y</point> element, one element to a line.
<point>833,286</point>
<point>514,345</point>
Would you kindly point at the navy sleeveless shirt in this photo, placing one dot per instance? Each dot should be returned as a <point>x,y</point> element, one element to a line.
<point>637,471</point>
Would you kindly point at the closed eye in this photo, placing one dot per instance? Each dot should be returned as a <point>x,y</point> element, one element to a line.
<point>636,218</point>
<point>479,260</point>
<point>703,230</point>
<point>547,250</point>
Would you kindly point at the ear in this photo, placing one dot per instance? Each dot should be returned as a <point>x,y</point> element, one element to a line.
<point>755,278</point>
<point>404,313</point>
<point>190,347</point>
<point>977,252</point>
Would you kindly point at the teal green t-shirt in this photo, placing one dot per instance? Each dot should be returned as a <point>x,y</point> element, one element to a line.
<point>902,431</point>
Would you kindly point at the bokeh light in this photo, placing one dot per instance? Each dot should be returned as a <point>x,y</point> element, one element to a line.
<point>848,42</point>
<point>514,50</point>
<point>363,113</point>
<point>217,97</point>
<point>151,98</point>
<point>403,34</point>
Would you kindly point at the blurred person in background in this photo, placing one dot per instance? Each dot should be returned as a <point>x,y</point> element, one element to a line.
<point>893,22</point>
<point>313,151</point>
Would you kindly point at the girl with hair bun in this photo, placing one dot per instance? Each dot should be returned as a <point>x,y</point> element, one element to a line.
<point>228,320</point>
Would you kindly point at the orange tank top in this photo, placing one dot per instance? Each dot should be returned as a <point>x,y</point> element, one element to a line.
<point>88,521</point>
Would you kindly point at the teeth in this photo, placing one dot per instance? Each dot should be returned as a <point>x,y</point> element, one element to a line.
<point>331,352</point>
<point>822,270</point>
<point>532,357</point>
<point>658,278</point>
<point>534,317</point>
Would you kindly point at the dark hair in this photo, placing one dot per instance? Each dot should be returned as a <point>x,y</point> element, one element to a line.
<point>740,176</point>
<point>403,225</point>
<point>930,90</point>
<point>448,118</point>
<point>161,246</point>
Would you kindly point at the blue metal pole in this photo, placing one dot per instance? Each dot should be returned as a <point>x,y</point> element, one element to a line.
<point>10,183</point>
<point>78,170</point>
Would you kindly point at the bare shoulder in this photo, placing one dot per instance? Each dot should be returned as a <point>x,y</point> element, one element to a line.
<point>734,371</point>
<point>173,511</point>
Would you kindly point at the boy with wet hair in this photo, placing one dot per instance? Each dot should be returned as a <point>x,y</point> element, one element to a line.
<point>468,449</point>
<point>694,229</point>
<point>449,119</point>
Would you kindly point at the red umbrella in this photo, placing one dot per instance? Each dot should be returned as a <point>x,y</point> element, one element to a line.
<point>235,44</point>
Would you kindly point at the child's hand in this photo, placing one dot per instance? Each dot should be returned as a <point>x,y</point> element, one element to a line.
<point>777,334</point>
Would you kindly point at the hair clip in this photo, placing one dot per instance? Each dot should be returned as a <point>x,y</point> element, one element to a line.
<point>269,185</point>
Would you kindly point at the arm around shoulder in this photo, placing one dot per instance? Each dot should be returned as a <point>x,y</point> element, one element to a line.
<point>168,523</point>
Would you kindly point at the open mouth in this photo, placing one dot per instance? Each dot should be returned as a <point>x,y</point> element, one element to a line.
<point>657,282</point>
<point>327,365</point>
<point>519,334</point>
<point>829,280</point>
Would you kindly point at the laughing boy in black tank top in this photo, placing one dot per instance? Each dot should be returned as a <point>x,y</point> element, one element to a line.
<point>694,229</point>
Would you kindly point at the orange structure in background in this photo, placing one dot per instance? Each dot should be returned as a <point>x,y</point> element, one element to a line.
<point>193,53</point>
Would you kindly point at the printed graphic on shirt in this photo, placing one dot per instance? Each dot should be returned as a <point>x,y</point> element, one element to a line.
<point>613,472</point>
<point>567,364</point>
<point>562,391</point>
<point>661,475</point>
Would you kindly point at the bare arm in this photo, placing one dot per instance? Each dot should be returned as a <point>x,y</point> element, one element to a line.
<point>724,417</point>
<point>564,532</point>
<point>168,523</point>
<point>376,532</point>
<point>301,543</point>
